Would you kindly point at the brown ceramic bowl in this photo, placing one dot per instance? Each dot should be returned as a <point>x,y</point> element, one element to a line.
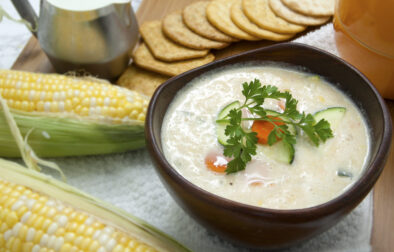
<point>261,227</point>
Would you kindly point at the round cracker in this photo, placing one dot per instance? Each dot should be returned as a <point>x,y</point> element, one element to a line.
<point>218,14</point>
<point>164,48</point>
<point>143,58</point>
<point>312,7</point>
<point>195,18</point>
<point>294,17</point>
<point>174,28</point>
<point>245,24</point>
<point>259,12</point>
<point>141,80</point>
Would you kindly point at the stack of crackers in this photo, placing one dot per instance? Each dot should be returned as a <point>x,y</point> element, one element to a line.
<point>183,39</point>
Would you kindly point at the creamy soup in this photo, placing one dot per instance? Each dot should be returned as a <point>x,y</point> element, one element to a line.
<point>317,174</point>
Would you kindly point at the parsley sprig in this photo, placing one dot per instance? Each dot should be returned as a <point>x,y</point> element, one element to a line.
<point>242,143</point>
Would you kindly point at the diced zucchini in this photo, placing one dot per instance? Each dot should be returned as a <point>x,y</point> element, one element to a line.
<point>333,115</point>
<point>344,173</point>
<point>224,112</point>
<point>220,131</point>
<point>279,151</point>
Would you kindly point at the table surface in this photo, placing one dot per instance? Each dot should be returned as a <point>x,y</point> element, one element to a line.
<point>33,59</point>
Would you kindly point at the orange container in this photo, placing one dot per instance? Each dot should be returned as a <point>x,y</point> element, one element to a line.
<point>364,34</point>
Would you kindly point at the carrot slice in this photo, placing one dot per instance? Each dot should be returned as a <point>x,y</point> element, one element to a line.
<point>264,128</point>
<point>216,163</point>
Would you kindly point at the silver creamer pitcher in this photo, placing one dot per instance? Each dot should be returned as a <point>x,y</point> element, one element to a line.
<point>88,35</point>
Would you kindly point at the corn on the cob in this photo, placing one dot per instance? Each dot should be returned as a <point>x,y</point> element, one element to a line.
<point>69,116</point>
<point>65,219</point>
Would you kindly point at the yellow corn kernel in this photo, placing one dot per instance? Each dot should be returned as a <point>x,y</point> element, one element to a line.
<point>81,229</point>
<point>97,225</point>
<point>85,244</point>
<point>72,226</point>
<point>50,226</point>
<point>27,247</point>
<point>89,231</point>
<point>43,199</point>
<point>118,248</point>
<point>23,232</point>
<point>46,224</point>
<point>42,210</point>
<point>78,241</point>
<point>60,232</point>
<point>9,243</point>
<point>9,202</point>
<point>21,211</point>
<point>30,92</point>
<point>16,245</point>
<point>37,236</point>
<point>3,198</point>
<point>11,219</point>
<point>3,227</point>
<point>141,117</point>
<point>66,247</point>
<point>67,210</point>
<point>69,237</point>
<point>39,222</point>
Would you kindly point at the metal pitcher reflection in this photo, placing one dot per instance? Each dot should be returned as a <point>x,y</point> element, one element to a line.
<point>90,35</point>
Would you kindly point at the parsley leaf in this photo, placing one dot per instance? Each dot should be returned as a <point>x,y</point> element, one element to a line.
<point>323,130</point>
<point>242,143</point>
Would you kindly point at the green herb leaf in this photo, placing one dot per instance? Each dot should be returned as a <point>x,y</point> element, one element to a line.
<point>272,137</point>
<point>235,165</point>
<point>323,130</point>
<point>242,143</point>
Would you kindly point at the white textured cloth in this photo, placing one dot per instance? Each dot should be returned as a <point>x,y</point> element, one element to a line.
<point>129,181</point>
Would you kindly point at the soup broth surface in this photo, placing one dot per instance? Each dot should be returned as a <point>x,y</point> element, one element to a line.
<point>189,135</point>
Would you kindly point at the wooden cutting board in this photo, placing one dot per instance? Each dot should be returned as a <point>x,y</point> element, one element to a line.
<point>33,59</point>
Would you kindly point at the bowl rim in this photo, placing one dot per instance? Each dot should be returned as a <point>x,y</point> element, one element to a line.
<point>356,192</point>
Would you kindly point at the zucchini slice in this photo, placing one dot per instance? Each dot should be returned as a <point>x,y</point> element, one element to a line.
<point>333,115</point>
<point>280,152</point>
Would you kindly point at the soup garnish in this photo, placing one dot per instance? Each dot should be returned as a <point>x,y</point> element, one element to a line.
<point>268,126</point>
<point>285,174</point>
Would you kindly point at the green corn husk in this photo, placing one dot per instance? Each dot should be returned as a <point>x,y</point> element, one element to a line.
<point>80,201</point>
<point>60,115</point>
<point>52,136</point>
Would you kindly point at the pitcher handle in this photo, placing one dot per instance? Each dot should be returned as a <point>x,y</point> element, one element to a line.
<point>27,12</point>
